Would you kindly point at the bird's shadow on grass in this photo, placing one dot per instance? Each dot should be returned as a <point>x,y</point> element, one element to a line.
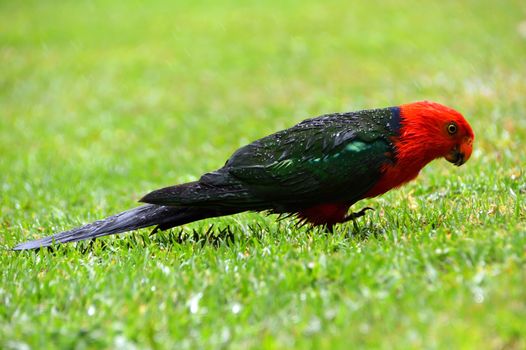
<point>363,232</point>
<point>211,236</point>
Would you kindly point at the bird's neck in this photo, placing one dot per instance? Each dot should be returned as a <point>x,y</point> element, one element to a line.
<point>414,149</point>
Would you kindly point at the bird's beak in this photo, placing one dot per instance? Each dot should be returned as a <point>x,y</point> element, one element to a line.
<point>460,153</point>
<point>456,157</point>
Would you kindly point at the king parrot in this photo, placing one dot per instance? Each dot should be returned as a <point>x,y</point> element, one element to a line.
<point>315,171</point>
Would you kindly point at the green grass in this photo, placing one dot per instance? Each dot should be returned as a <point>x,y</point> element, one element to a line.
<point>102,102</point>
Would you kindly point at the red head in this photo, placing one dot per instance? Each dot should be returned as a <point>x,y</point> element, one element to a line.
<point>428,130</point>
<point>431,130</point>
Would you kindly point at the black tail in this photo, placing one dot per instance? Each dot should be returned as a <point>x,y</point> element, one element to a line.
<point>147,215</point>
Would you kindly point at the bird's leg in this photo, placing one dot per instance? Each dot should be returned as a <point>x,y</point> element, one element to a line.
<point>329,227</point>
<point>354,216</point>
<point>359,214</point>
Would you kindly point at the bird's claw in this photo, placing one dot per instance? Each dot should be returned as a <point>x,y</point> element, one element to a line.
<point>352,216</point>
<point>359,214</point>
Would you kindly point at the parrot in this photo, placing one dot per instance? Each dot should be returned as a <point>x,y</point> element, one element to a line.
<point>314,171</point>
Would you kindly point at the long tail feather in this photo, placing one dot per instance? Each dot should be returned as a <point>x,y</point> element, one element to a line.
<point>147,215</point>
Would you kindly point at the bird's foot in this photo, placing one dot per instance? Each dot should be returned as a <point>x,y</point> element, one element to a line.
<point>354,216</point>
<point>350,217</point>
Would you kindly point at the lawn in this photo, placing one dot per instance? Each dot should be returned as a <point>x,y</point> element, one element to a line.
<point>104,101</point>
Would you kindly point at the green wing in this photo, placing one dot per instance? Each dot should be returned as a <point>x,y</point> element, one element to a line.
<point>332,158</point>
<point>343,170</point>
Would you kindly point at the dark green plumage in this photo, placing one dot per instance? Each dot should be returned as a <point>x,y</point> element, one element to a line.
<point>335,157</point>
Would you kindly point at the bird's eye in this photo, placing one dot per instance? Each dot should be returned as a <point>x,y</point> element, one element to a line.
<point>452,128</point>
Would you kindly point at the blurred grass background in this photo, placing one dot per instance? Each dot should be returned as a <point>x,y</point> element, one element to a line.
<point>103,101</point>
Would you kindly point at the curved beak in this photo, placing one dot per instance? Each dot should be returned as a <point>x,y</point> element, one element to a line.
<point>461,153</point>
<point>456,157</point>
